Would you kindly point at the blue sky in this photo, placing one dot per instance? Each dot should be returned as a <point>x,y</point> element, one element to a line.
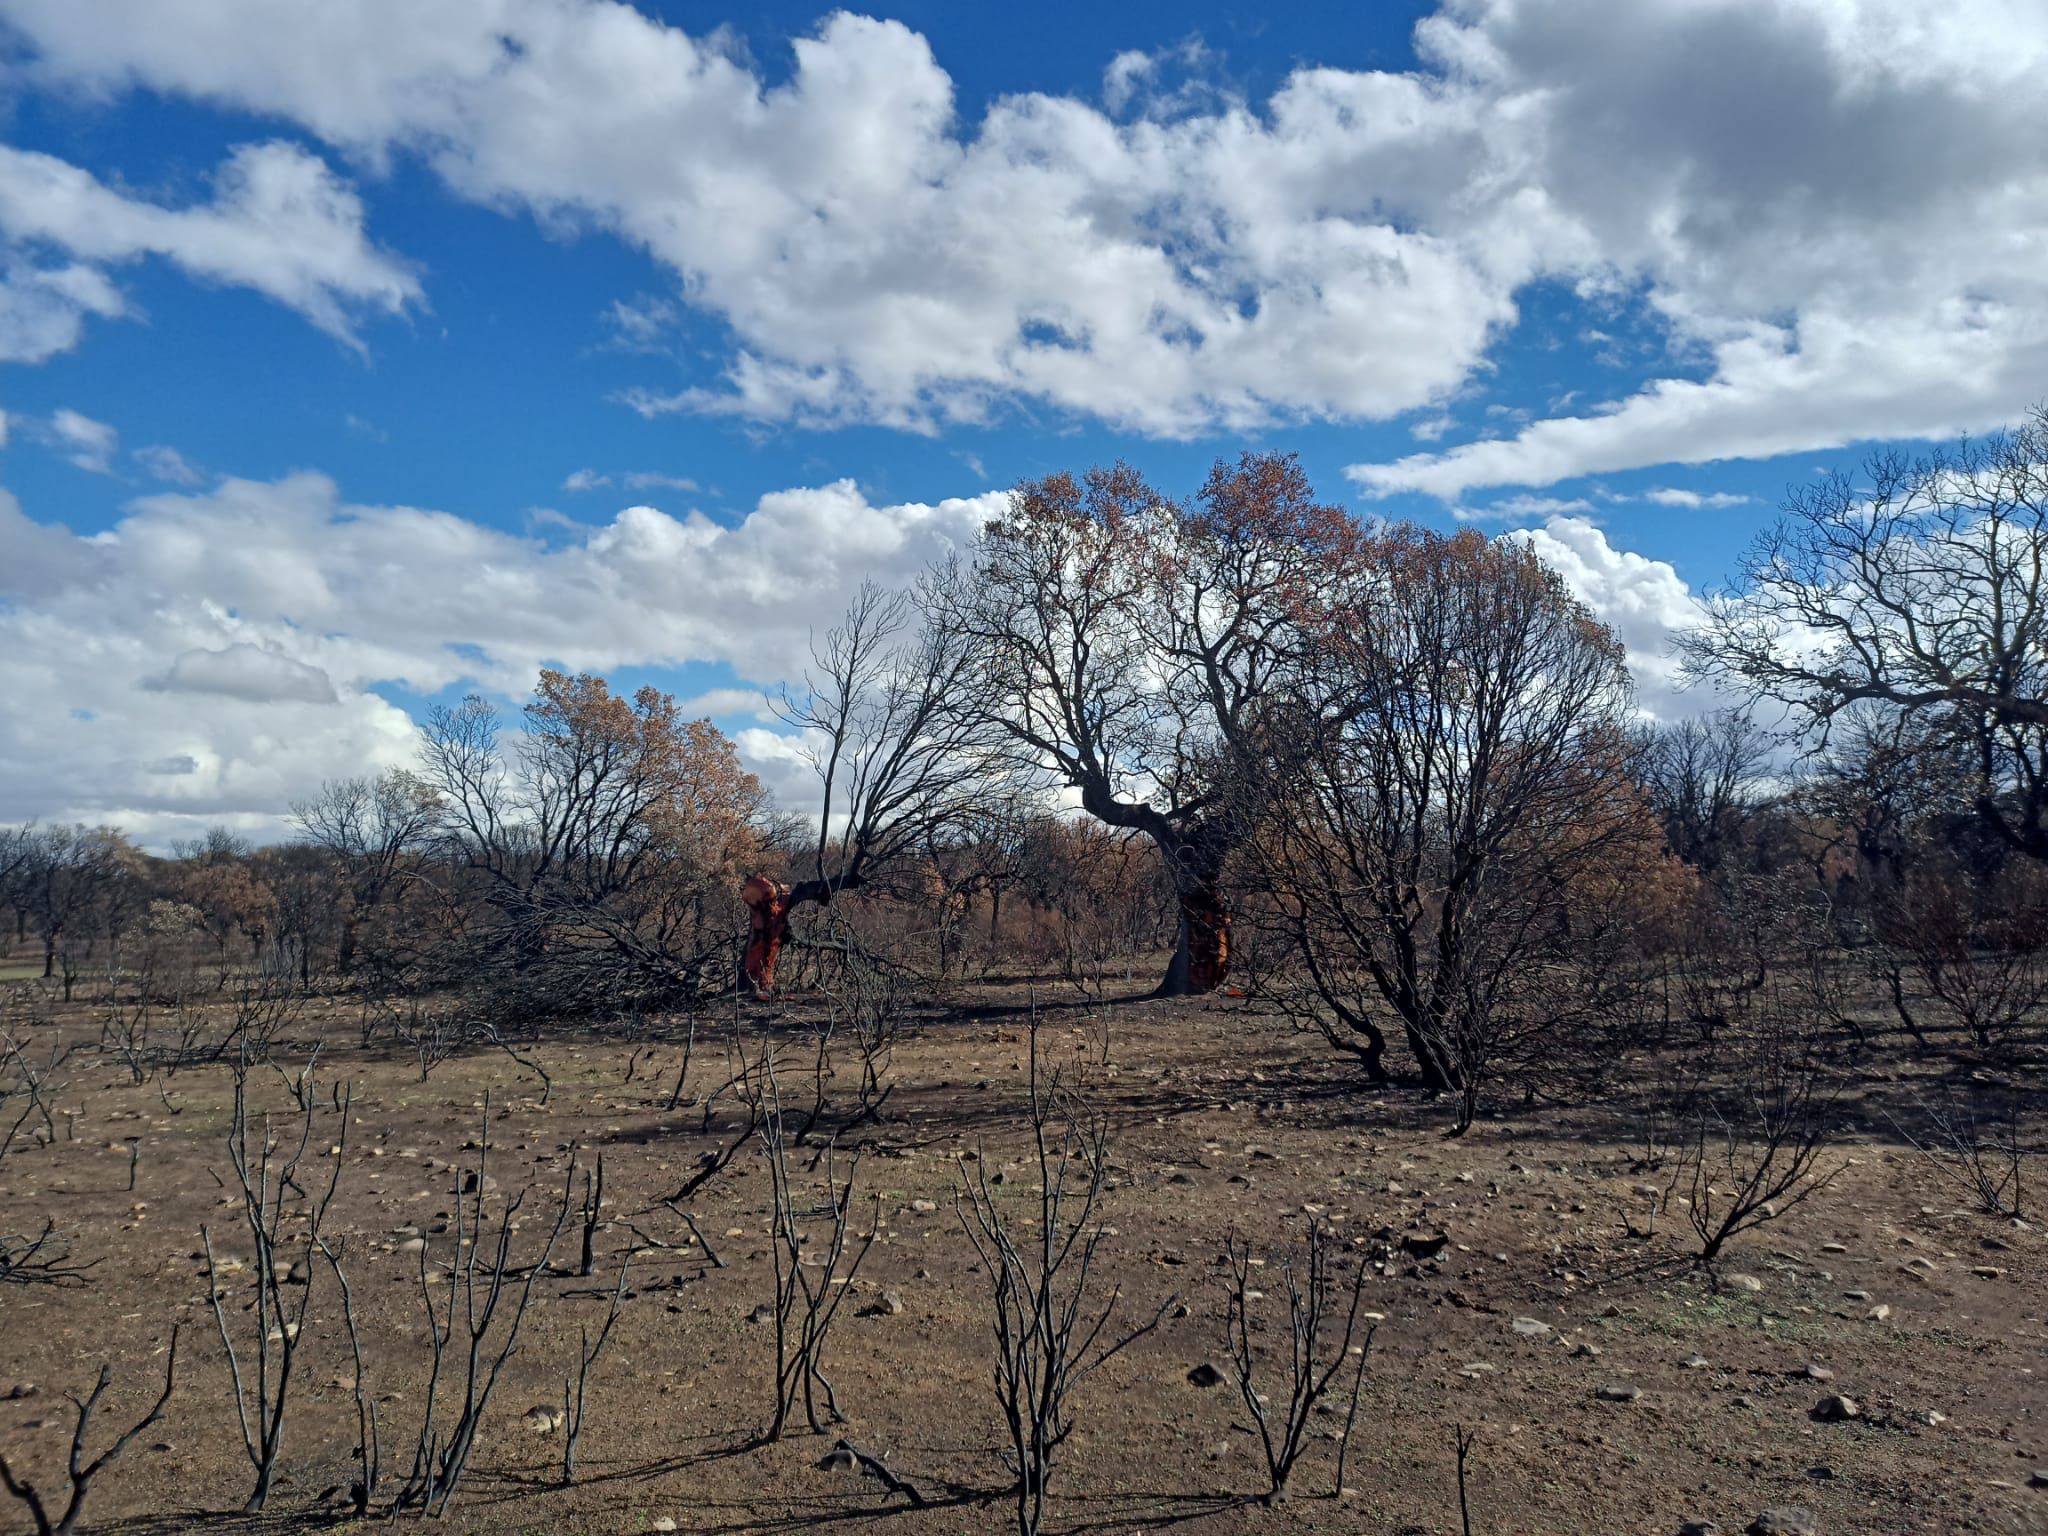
<point>1612,271</point>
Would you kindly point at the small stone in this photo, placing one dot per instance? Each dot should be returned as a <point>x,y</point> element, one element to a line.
<point>22,1389</point>
<point>1745,1282</point>
<point>1878,1313</point>
<point>662,1523</point>
<point>1834,1247</point>
<point>1585,1349</point>
<point>1986,1271</point>
<point>1787,1520</point>
<point>1817,1373</point>
<point>838,1459</point>
<point>1616,1392</point>
<point>1530,1328</point>
<point>762,1314</point>
<point>2038,1478</point>
<point>1699,1528</point>
<point>1855,1295</point>
<point>923,1207</point>
<point>413,1245</point>
<point>888,1304</point>
<point>1837,1409</point>
<point>1934,1418</point>
<point>1693,1363</point>
<point>1204,1375</point>
<point>542,1419</point>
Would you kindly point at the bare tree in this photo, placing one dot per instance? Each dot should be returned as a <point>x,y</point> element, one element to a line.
<point>283,1217</point>
<point>1920,586</point>
<point>78,1471</point>
<point>1313,1356</point>
<point>373,829</point>
<point>1049,1336</point>
<point>903,767</point>
<point>1449,833</point>
<point>1703,776</point>
<point>1984,1154</point>
<point>470,1343</point>
<point>1753,1153</point>
<point>1126,645</point>
<point>808,1292</point>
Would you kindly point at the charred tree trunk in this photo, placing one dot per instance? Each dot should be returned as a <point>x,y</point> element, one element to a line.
<point>1201,950</point>
<point>769,904</point>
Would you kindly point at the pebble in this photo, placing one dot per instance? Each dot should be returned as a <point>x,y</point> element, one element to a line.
<point>1586,1350</point>
<point>1530,1328</point>
<point>1818,1373</point>
<point>542,1419</point>
<point>1878,1313</point>
<point>1693,1363</point>
<point>1204,1375</point>
<point>1745,1282</point>
<point>1837,1409</point>
<point>888,1304</point>
<point>1699,1528</point>
<point>1787,1520</point>
<point>662,1523</point>
<point>413,1245</point>
<point>1616,1392</point>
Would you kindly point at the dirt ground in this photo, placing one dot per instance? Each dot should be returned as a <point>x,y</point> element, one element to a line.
<point>1224,1121</point>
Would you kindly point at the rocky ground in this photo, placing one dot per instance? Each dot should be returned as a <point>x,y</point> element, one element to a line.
<point>1875,1361</point>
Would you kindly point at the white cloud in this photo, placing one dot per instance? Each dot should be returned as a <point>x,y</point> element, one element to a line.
<point>1646,602</point>
<point>1510,507</point>
<point>1860,249</point>
<point>585,480</point>
<point>87,443</point>
<point>280,223</point>
<point>43,309</point>
<point>167,464</point>
<point>1673,496</point>
<point>281,607</point>
<point>244,671</point>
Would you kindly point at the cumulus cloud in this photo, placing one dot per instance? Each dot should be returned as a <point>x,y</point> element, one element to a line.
<point>282,608</point>
<point>280,222</point>
<point>1857,251</point>
<point>1646,602</point>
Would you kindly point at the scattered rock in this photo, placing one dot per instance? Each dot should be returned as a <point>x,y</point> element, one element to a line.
<point>413,1245</point>
<point>20,1390</point>
<point>1878,1313</point>
<point>2038,1478</point>
<point>1986,1271</point>
<point>1585,1350</point>
<point>1693,1363</point>
<point>1934,1418</point>
<point>1787,1520</point>
<point>1837,1409</point>
<point>838,1459</point>
<point>662,1523</point>
<point>542,1420</point>
<point>1856,1295</point>
<point>1530,1328</point>
<point>1817,1373</point>
<point>888,1304</point>
<point>762,1314</point>
<point>1205,1375</point>
<point>1617,1392</point>
<point>1745,1282</point>
<point>1699,1528</point>
<point>924,1207</point>
<point>1427,1245</point>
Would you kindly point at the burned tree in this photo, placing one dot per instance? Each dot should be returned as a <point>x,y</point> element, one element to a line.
<point>1449,834</point>
<point>903,766</point>
<point>591,863</point>
<point>1125,644</point>
<point>1920,586</point>
<point>373,829</point>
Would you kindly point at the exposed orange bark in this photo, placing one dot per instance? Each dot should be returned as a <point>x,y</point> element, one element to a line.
<point>768,904</point>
